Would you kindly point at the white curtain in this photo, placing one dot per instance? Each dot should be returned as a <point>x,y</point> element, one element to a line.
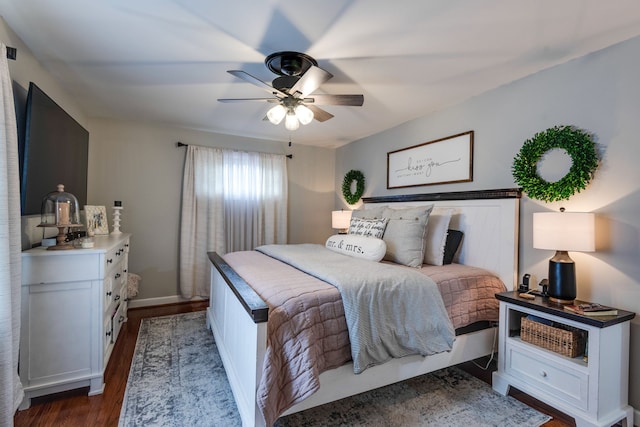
<point>11,392</point>
<point>231,201</point>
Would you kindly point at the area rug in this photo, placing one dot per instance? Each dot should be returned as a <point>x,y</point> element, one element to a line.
<point>177,379</point>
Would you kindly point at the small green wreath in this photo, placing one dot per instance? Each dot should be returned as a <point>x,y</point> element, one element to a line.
<point>358,177</point>
<point>584,161</point>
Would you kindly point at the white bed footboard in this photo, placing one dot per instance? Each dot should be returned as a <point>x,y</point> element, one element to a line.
<point>237,316</point>
<point>238,319</point>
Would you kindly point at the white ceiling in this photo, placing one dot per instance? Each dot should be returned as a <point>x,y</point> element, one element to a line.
<point>166,60</point>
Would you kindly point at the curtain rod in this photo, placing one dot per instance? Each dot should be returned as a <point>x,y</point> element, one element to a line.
<point>11,53</point>
<point>182,144</point>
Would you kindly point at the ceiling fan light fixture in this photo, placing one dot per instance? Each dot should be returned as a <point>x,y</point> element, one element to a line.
<point>304,114</point>
<point>298,78</point>
<point>276,114</point>
<point>291,121</point>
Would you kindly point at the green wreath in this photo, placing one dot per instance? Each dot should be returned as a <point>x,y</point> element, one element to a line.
<point>358,177</point>
<point>584,161</point>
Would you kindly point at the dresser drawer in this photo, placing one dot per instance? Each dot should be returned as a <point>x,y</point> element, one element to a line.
<point>107,338</point>
<point>115,256</point>
<point>111,289</point>
<point>42,266</point>
<point>118,319</point>
<point>563,382</point>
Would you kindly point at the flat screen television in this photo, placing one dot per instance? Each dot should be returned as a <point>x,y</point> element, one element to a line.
<point>54,150</point>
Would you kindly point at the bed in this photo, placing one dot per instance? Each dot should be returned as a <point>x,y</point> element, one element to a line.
<point>238,316</point>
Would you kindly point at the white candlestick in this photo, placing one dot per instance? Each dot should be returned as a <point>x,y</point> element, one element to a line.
<point>116,220</point>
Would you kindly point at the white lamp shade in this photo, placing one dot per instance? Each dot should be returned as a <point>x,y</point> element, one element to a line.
<point>276,114</point>
<point>291,121</point>
<point>304,114</point>
<point>340,219</point>
<point>564,231</point>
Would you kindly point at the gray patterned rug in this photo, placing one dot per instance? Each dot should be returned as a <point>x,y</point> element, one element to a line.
<point>177,379</point>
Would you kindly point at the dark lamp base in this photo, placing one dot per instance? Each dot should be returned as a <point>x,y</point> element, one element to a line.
<point>561,301</point>
<point>562,278</point>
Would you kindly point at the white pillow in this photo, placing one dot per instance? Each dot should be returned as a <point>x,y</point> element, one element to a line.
<point>405,234</point>
<point>368,227</point>
<point>364,247</point>
<point>436,235</point>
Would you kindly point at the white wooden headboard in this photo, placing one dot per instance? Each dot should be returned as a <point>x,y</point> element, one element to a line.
<point>489,220</point>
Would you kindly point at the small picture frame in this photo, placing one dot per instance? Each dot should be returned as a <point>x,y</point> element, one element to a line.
<point>96,220</point>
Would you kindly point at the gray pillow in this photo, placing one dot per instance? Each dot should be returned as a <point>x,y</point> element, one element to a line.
<point>405,234</point>
<point>370,213</point>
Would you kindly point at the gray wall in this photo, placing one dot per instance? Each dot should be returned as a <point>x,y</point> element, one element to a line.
<point>25,69</point>
<point>599,93</point>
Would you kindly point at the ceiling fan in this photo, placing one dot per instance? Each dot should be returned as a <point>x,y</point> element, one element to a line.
<point>298,76</point>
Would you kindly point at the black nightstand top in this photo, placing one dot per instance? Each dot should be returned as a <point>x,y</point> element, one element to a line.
<point>549,307</point>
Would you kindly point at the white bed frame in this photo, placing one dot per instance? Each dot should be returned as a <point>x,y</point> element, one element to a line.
<point>237,316</point>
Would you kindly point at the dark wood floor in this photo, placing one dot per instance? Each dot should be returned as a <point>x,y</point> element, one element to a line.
<point>75,408</point>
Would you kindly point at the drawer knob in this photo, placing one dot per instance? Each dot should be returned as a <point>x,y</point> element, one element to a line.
<point>109,293</point>
<point>121,319</point>
<point>108,333</point>
<point>109,261</point>
<point>543,374</point>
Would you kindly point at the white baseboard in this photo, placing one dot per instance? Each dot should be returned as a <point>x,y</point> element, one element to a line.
<point>148,302</point>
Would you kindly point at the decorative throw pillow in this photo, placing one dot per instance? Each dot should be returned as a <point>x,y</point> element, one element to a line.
<point>436,235</point>
<point>369,213</point>
<point>368,227</point>
<point>405,234</point>
<point>369,248</point>
<point>454,238</point>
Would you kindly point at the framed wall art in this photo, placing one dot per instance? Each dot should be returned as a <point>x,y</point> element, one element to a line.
<point>96,220</point>
<point>443,161</point>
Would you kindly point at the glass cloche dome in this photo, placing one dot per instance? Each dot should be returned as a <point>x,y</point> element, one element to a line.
<point>60,209</point>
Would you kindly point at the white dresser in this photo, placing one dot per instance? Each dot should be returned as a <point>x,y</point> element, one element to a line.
<point>74,303</point>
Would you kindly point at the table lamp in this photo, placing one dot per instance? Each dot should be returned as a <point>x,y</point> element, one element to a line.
<point>563,232</point>
<point>341,220</point>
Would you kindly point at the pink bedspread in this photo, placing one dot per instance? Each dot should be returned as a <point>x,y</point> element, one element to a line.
<point>307,332</point>
<point>467,292</point>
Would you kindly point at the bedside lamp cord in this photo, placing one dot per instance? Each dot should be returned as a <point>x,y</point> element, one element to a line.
<point>493,351</point>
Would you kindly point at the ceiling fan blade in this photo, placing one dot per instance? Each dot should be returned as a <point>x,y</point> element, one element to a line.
<point>310,81</point>
<point>350,100</point>
<point>248,99</point>
<point>256,81</point>
<point>319,114</point>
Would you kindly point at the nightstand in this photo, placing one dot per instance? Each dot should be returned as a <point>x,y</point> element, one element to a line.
<point>592,388</point>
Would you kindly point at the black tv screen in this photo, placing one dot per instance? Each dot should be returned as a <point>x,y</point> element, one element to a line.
<point>55,151</point>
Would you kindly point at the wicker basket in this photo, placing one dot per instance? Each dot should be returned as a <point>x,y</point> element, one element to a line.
<point>570,343</point>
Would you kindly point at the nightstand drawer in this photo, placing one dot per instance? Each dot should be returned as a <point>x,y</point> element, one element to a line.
<point>563,382</point>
